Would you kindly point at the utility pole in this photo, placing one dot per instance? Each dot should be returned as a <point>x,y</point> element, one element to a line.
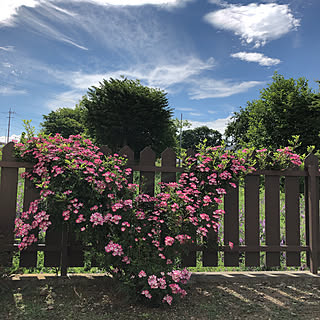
<point>180,134</point>
<point>9,123</point>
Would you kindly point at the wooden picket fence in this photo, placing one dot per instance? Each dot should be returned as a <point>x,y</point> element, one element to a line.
<point>62,250</point>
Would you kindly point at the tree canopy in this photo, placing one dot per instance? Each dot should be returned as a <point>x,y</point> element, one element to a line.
<point>285,108</point>
<point>123,112</point>
<point>192,137</point>
<point>65,121</point>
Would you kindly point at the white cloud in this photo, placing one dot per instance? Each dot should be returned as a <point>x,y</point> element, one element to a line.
<point>66,99</point>
<point>7,48</point>
<point>8,8</point>
<point>255,23</point>
<point>162,76</point>
<point>210,88</point>
<point>188,74</point>
<point>185,109</point>
<point>218,124</point>
<point>172,3</point>
<point>195,114</point>
<point>7,91</point>
<point>41,24</point>
<point>256,57</point>
<point>220,3</point>
<point>15,137</point>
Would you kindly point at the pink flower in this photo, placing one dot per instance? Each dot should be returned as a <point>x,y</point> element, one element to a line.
<point>174,207</point>
<point>142,274</point>
<point>153,283</point>
<point>167,299</point>
<point>169,241</point>
<point>231,245</point>
<point>175,288</point>
<point>147,294</point>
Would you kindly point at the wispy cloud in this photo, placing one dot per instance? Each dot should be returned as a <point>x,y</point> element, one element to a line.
<point>196,114</point>
<point>220,3</point>
<point>7,48</point>
<point>172,3</point>
<point>46,21</point>
<point>218,124</point>
<point>255,23</point>
<point>65,99</point>
<point>210,88</point>
<point>7,91</point>
<point>185,109</point>
<point>10,8</point>
<point>256,57</point>
<point>163,76</point>
<point>187,75</point>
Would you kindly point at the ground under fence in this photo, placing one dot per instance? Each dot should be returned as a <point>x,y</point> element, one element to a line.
<point>280,223</point>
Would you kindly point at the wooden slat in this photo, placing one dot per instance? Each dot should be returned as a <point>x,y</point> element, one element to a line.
<point>272,215</point>
<point>8,203</point>
<point>147,158</point>
<point>189,260</point>
<point>105,150</point>
<point>153,168</point>
<point>168,159</point>
<point>15,164</point>
<point>75,253</point>
<point>252,259</point>
<point>210,254</point>
<point>52,258</point>
<point>27,257</point>
<point>292,195</point>
<point>283,173</point>
<point>312,166</point>
<point>231,225</point>
<point>306,210</point>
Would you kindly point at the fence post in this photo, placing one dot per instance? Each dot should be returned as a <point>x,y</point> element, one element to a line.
<point>8,203</point>
<point>64,251</point>
<point>312,167</point>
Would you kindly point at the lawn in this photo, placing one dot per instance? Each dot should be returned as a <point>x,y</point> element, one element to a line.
<point>209,297</point>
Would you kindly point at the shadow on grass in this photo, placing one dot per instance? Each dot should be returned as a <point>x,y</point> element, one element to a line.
<point>98,298</point>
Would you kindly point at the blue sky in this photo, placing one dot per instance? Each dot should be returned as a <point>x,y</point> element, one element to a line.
<point>211,56</point>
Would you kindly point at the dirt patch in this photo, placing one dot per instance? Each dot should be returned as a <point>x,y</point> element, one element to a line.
<point>210,296</point>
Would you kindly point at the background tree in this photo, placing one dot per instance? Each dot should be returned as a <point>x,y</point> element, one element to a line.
<point>192,137</point>
<point>287,107</point>
<point>123,112</point>
<point>65,121</point>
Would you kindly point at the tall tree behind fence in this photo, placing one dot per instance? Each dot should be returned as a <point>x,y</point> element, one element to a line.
<point>61,248</point>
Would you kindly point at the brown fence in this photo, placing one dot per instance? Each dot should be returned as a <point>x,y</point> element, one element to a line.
<point>61,248</point>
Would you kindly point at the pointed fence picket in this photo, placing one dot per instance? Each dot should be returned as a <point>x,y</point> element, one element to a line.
<point>61,249</point>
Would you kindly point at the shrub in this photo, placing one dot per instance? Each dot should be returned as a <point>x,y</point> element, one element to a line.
<point>139,238</point>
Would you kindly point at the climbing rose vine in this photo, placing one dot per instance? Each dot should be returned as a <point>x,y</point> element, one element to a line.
<point>137,237</point>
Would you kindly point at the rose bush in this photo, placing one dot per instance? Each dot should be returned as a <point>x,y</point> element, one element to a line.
<point>137,237</point>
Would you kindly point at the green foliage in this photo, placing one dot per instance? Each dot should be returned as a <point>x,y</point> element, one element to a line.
<point>123,112</point>
<point>192,137</point>
<point>65,121</point>
<point>285,108</point>
<point>29,131</point>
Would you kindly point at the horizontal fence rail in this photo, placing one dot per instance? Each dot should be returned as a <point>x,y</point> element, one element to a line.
<point>254,230</point>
